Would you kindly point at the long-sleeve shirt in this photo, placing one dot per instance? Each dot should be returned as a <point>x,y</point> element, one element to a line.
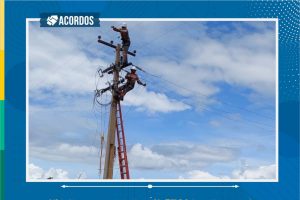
<point>132,78</point>
<point>124,33</point>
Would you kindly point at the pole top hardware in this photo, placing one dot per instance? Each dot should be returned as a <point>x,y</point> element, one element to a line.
<point>110,44</point>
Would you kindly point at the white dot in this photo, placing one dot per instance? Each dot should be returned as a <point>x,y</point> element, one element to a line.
<point>150,186</point>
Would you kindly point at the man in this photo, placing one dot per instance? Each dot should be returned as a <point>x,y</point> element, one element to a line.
<point>125,40</point>
<point>131,78</point>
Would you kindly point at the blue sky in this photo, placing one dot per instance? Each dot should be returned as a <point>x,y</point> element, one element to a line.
<point>208,113</point>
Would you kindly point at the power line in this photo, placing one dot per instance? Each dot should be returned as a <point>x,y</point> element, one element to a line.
<point>219,111</point>
<point>206,96</point>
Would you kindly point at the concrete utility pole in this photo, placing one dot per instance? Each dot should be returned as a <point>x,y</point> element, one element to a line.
<point>110,146</point>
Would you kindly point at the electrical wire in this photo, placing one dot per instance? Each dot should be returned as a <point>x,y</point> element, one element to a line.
<point>224,112</point>
<point>197,93</point>
<point>206,96</point>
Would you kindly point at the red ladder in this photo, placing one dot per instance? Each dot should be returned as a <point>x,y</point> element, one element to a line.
<point>122,153</point>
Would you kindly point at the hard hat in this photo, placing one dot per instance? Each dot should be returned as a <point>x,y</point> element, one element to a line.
<point>124,24</point>
<point>133,68</point>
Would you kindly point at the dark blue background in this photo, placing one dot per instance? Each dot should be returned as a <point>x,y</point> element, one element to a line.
<point>288,186</point>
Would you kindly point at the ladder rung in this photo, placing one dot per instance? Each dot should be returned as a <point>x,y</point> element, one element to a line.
<point>123,163</point>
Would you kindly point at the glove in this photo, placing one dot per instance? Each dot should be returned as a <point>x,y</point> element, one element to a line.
<point>144,84</point>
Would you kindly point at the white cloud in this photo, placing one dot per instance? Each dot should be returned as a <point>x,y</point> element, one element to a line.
<point>185,158</point>
<point>36,172</point>
<point>239,57</point>
<point>69,71</point>
<point>153,102</point>
<point>69,149</point>
<point>65,153</point>
<point>242,61</point>
<point>196,155</point>
<point>56,174</point>
<point>198,174</point>
<point>183,79</point>
<point>144,158</point>
<point>180,156</point>
<point>261,172</point>
<point>59,64</point>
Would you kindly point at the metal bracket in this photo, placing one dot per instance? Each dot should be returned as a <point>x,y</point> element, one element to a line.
<point>110,44</point>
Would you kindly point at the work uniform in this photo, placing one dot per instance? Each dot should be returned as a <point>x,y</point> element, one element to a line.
<point>129,85</point>
<point>125,40</point>
<point>124,37</point>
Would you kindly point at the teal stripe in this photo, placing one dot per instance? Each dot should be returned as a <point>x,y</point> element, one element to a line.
<point>1,125</point>
<point>1,175</point>
<point>1,150</point>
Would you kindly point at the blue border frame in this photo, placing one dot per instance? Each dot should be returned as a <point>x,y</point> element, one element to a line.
<point>288,185</point>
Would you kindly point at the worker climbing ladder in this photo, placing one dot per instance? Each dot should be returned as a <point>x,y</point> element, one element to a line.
<point>122,153</point>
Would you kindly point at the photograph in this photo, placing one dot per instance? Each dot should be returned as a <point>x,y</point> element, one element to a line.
<point>152,99</point>
<point>157,100</point>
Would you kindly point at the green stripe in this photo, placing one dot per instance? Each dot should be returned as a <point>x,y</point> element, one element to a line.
<point>1,175</point>
<point>1,125</point>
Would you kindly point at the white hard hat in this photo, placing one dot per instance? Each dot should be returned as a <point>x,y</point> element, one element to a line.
<point>133,68</point>
<point>124,24</point>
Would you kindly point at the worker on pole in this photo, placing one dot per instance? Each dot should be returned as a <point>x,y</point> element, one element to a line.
<point>125,40</point>
<point>131,78</point>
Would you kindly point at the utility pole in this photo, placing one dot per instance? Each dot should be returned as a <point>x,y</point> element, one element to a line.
<point>110,146</point>
<point>115,126</point>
